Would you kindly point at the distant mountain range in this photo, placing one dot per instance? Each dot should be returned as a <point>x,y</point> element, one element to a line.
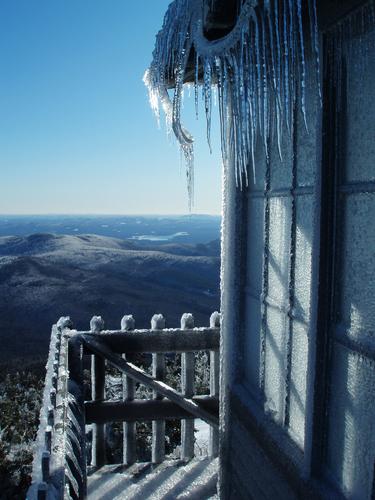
<point>189,229</point>
<point>44,276</point>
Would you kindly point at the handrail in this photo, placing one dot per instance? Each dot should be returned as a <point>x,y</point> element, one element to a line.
<point>162,340</point>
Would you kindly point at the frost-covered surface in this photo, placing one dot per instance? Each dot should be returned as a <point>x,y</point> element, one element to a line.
<point>351,413</point>
<point>259,69</point>
<point>202,437</point>
<point>170,480</point>
<point>59,458</point>
<point>39,446</point>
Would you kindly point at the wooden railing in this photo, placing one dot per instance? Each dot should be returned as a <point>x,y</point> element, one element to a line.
<point>60,456</point>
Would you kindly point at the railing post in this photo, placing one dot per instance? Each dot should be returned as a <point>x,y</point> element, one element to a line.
<point>213,444</point>
<point>46,458</point>
<point>72,419</point>
<point>42,491</point>
<point>98,452</point>
<point>158,371</point>
<point>187,388</point>
<point>128,392</point>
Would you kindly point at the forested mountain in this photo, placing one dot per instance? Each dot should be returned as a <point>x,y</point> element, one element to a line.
<point>45,276</point>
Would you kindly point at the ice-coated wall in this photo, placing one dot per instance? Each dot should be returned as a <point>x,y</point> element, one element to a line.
<point>351,411</point>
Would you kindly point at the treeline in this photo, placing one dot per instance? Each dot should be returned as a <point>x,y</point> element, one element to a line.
<point>20,399</point>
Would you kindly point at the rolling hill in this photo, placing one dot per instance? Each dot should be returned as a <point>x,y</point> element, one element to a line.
<point>45,276</point>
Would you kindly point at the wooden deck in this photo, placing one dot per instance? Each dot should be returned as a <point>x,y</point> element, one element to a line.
<point>170,480</point>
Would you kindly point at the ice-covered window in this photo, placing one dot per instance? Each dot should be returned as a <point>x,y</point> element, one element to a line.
<point>281,210</point>
<point>350,447</point>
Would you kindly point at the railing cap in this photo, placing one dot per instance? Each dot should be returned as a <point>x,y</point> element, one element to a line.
<point>157,322</point>
<point>64,322</point>
<point>96,324</point>
<point>215,319</point>
<point>187,321</point>
<point>127,322</point>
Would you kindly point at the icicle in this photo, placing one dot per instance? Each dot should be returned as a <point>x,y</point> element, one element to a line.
<point>277,58</point>
<point>258,69</point>
<point>196,85</point>
<point>258,75</point>
<point>252,106</point>
<point>286,66</point>
<point>315,43</point>
<point>208,98</point>
<point>265,91</point>
<point>242,110</point>
<point>275,80</point>
<point>303,62</point>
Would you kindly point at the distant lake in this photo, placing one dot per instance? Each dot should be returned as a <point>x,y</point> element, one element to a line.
<point>155,237</point>
<point>190,229</point>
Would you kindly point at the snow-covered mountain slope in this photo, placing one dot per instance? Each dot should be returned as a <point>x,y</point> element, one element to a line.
<point>45,276</point>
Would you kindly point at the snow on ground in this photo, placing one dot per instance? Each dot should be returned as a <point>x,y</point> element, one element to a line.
<point>202,433</point>
<point>170,480</point>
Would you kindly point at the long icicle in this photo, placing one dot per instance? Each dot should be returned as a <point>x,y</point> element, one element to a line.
<point>259,68</point>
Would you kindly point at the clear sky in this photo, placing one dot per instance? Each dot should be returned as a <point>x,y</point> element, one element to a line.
<point>76,131</point>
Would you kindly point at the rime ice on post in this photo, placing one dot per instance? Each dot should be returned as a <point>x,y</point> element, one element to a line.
<point>157,322</point>
<point>128,392</point>
<point>64,322</point>
<point>96,324</point>
<point>215,320</point>
<point>187,388</point>
<point>127,323</point>
<point>98,455</point>
<point>158,371</point>
<point>213,445</point>
<point>187,321</point>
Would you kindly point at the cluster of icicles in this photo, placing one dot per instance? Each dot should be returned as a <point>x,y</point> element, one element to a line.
<point>259,69</point>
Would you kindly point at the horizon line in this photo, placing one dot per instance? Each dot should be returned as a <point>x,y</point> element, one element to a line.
<point>91,214</point>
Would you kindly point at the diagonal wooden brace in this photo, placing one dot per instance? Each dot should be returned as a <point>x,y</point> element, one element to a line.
<point>142,377</point>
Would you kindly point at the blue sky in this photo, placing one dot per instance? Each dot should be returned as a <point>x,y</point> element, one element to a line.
<point>76,131</point>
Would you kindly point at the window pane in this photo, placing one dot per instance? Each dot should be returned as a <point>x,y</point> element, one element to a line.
<point>297,388</point>
<point>252,343</point>
<point>360,137</point>
<point>351,410</point>
<point>255,244</point>
<point>276,341</point>
<point>307,157</point>
<point>303,258</point>
<point>281,169</point>
<point>279,249</point>
<point>357,272</point>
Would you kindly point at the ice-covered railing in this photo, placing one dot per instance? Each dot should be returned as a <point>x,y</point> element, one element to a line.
<point>59,466</point>
<point>60,460</point>
<point>259,69</point>
<point>167,403</point>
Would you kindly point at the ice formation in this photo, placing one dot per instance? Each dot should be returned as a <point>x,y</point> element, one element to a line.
<point>96,324</point>
<point>127,322</point>
<point>259,69</point>
<point>187,321</point>
<point>157,322</point>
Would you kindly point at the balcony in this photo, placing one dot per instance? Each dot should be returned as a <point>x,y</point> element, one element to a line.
<point>70,459</point>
